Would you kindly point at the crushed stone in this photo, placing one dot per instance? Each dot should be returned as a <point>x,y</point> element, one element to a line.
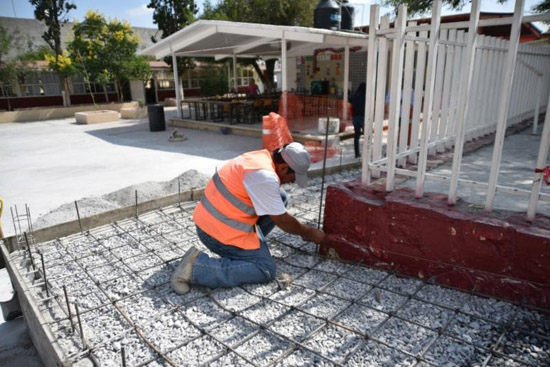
<point>124,197</point>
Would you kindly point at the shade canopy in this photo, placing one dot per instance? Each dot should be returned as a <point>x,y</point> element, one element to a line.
<point>222,39</point>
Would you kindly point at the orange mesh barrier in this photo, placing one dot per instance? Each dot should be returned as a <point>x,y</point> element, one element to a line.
<point>316,151</point>
<point>275,132</point>
<point>303,112</point>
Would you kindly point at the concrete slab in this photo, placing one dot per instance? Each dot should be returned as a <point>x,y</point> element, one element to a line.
<point>46,164</point>
<point>516,170</point>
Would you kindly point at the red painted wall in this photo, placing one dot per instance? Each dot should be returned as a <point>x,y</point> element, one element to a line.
<point>500,254</point>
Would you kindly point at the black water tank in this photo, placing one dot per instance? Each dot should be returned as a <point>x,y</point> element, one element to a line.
<point>327,15</point>
<point>348,13</point>
<point>156,117</point>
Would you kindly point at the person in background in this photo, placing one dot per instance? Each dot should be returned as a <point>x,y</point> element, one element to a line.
<point>252,88</point>
<point>358,103</point>
<point>241,204</point>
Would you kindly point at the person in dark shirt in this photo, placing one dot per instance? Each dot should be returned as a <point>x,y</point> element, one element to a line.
<point>358,103</point>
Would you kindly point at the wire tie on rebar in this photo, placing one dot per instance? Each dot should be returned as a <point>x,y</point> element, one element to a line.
<point>78,215</point>
<point>68,307</point>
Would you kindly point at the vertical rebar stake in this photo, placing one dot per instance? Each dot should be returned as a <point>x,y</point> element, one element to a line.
<point>44,272</point>
<point>29,219</point>
<point>323,173</point>
<point>68,306</point>
<point>79,324</point>
<point>78,215</point>
<point>29,249</point>
<point>136,204</point>
<point>18,219</point>
<point>13,220</point>
<point>179,192</point>
<point>123,353</point>
<point>192,194</point>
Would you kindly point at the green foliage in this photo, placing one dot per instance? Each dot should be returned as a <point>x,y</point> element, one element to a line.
<point>215,83</point>
<point>170,16</point>
<point>278,12</point>
<point>423,7</point>
<point>53,13</point>
<point>106,50</point>
<point>542,7</point>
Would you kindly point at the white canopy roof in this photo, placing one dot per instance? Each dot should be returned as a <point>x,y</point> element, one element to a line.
<point>221,39</point>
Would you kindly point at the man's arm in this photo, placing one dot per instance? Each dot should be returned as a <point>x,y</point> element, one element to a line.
<point>291,225</point>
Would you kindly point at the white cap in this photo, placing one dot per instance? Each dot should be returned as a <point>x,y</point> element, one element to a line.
<point>297,157</point>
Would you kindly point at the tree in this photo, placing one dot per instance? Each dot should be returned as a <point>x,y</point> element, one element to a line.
<point>170,16</point>
<point>106,50</point>
<point>54,13</point>
<point>277,12</point>
<point>419,7</point>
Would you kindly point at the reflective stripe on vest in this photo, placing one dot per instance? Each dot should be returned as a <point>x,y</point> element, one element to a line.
<point>224,219</point>
<point>226,212</point>
<point>235,201</point>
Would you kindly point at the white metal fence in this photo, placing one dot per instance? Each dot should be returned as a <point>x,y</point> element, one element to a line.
<point>446,86</point>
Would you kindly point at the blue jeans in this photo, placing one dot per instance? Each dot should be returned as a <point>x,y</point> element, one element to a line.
<point>358,128</point>
<point>235,265</point>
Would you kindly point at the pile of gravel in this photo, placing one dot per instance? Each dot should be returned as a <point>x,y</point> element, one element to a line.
<point>124,197</point>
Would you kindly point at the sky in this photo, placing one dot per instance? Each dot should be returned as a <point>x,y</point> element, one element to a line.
<point>138,15</point>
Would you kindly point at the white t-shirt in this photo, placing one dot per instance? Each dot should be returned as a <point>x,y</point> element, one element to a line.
<point>263,188</point>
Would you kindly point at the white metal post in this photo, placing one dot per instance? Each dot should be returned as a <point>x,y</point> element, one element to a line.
<point>382,69</point>
<point>537,103</point>
<point>283,75</point>
<point>235,74</point>
<point>446,98</point>
<point>176,84</point>
<point>428,102</point>
<point>406,96</point>
<point>418,94</point>
<point>372,53</point>
<point>395,90</point>
<point>541,161</point>
<point>504,103</point>
<point>346,83</point>
<point>465,85</point>
<point>438,89</point>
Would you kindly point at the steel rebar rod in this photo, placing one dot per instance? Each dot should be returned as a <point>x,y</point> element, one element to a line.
<point>78,215</point>
<point>44,274</point>
<point>68,307</point>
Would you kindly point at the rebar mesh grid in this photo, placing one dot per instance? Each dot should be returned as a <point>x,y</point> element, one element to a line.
<point>123,312</point>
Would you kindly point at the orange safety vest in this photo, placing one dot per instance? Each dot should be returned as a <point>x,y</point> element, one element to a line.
<point>225,211</point>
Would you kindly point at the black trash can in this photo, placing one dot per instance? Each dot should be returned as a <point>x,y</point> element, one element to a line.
<point>156,117</point>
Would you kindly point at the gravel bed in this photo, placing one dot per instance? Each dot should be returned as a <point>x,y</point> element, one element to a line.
<point>450,352</point>
<point>169,330</point>
<point>361,319</point>
<point>263,348</point>
<point>197,352</point>
<point>334,342</point>
<point>296,325</point>
<point>405,336</point>
<point>124,269</point>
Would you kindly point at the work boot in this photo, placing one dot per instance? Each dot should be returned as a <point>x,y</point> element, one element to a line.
<point>182,275</point>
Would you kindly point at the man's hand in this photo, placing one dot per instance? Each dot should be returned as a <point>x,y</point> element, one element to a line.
<point>291,225</point>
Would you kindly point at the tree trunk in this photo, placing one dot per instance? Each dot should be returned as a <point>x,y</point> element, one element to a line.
<point>65,84</point>
<point>105,93</point>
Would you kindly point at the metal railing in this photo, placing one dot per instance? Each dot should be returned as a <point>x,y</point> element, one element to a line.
<point>460,86</point>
